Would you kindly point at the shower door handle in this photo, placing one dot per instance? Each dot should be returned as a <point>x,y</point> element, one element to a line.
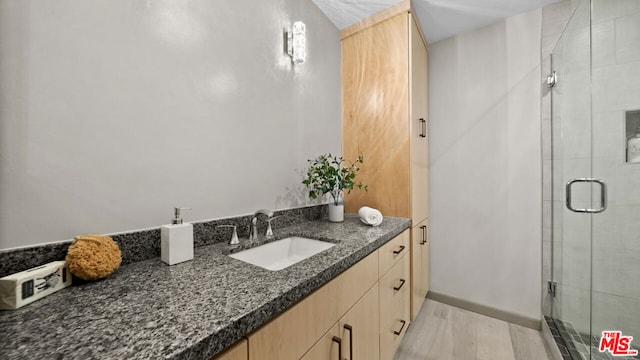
<point>603,195</point>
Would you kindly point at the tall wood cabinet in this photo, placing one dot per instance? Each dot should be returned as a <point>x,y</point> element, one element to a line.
<point>384,104</point>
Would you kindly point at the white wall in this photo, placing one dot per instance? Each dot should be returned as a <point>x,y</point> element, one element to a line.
<point>485,165</point>
<point>114,111</point>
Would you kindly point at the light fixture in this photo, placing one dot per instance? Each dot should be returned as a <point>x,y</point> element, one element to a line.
<point>296,42</point>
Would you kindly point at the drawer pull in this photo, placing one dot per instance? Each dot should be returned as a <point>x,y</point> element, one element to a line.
<point>424,234</point>
<point>339,341</point>
<point>400,249</point>
<point>401,328</point>
<point>402,281</point>
<point>348,327</point>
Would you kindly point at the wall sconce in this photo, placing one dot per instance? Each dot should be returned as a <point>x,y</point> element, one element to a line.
<point>296,42</point>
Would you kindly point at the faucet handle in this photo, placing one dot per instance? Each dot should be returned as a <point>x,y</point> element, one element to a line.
<point>253,228</point>
<point>269,232</point>
<point>234,236</point>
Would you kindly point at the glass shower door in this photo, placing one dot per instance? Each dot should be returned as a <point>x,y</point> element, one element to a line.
<point>596,141</point>
<point>572,160</point>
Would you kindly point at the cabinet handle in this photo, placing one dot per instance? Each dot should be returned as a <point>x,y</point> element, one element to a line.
<point>339,341</point>
<point>348,327</point>
<point>399,250</point>
<point>401,328</point>
<point>402,281</point>
<point>424,234</point>
<point>423,128</point>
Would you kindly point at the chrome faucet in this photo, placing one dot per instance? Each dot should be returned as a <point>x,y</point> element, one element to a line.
<point>253,233</point>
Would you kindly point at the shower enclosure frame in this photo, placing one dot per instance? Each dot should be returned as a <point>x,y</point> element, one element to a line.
<point>594,194</point>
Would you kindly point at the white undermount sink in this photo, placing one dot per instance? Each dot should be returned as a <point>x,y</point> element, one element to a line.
<point>282,253</point>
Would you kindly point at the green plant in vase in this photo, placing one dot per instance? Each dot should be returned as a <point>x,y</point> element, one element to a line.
<point>329,174</point>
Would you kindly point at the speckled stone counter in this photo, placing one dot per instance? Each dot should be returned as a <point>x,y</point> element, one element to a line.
<point>193,310</point>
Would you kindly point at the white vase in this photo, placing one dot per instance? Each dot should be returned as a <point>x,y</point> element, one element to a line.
<point>336,212</point>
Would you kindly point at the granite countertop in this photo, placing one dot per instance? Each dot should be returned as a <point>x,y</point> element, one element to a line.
<point>192,310</point>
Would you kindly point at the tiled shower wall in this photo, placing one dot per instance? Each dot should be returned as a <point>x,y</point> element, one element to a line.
<point>616,232</point>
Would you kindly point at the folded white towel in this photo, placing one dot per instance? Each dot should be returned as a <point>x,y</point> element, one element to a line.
<point>370,216</point>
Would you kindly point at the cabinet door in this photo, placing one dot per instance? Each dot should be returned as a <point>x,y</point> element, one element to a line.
<point>239,351</point>
<point>293,333</point>
<point>328,348</point>
<point>359,328</point>
<point>419,121</point>
<point>425,263</point>
<point>419,266</point>
<point>375,113</point>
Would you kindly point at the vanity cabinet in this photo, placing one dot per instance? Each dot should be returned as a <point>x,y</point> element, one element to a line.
<point>355,336</point>
<point>385,117</point>
<point>361,314</point>
<point>293,333</point>
<point>239,351</point>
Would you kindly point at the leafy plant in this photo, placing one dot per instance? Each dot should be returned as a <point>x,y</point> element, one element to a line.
<point>328,174</point>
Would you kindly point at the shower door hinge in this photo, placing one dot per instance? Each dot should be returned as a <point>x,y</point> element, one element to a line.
<point>552,288</point>
<point>552,79</point>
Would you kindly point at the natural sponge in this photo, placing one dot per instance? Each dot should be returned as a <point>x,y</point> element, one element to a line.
<point>92,257</point>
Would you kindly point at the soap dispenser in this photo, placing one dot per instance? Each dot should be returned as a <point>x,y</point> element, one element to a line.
<point>176,243</point>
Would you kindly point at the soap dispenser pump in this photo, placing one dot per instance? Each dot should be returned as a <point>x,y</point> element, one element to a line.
<point>176,240</point>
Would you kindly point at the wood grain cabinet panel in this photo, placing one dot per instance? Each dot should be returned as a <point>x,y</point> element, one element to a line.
<point>375,120</point>
<point>328,348</point>
<point>355,336</point>
<point>359,328</point>
<point>238,351</point>
<point>419,126</point>
<point>385,118</point>
<point>292,334</point>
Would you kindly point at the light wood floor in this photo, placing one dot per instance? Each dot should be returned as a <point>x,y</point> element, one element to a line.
<point>443,332</point>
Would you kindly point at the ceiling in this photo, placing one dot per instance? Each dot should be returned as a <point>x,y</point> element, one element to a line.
<point>440,19</point>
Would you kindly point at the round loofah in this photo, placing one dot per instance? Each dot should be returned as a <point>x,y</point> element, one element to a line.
<point>92,257</point>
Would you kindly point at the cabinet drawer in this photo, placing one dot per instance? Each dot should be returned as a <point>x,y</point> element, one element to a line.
<point>392,251</point>
<point>395,295</point>
<point>293,333</point>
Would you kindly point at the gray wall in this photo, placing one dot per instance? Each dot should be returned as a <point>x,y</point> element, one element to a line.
<point>485,165</point>
<point>114,111</point>
<point>616,232</point>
